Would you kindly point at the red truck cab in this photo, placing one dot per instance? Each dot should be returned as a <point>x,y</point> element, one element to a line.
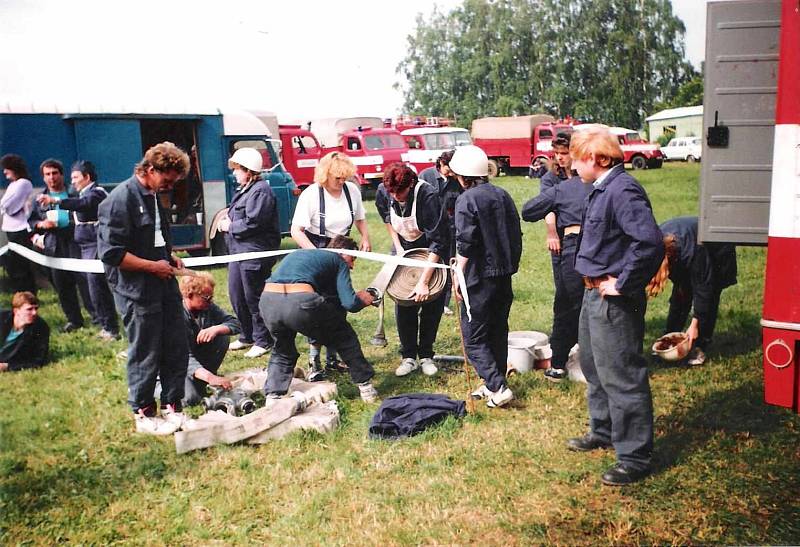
<point>370,145</point>
<point>300,152</point>
<point>426,144</point>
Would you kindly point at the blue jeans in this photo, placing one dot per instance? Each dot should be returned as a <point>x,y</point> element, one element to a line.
<point>567,302</point>
<point>610,335</point>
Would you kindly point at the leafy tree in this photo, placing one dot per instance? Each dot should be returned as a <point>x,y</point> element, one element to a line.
<point>601,60</point>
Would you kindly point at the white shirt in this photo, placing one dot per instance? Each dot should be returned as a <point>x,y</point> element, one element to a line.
<point>337,211</point>
<point>158,240</point>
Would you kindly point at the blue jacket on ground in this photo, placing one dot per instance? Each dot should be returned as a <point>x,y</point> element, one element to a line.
<point>619,236</point>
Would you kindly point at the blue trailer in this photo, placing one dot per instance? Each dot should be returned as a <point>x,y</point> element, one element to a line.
<point>116,140</point>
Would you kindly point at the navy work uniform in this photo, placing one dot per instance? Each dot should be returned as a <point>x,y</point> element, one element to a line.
<point>619,238</point>
<point>310,292</point>
<point>254,227</point>
<point>60,242</point>
<point>699,273</point>
<point>567,200</point>
<point>421,223</point>
<point>449,189</point>
<point>488,234</point>
<point>208,355</point>
<point>84,214</point>
<point>131,220</point>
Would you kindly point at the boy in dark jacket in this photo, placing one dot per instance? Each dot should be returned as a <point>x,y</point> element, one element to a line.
<point>25,337</point>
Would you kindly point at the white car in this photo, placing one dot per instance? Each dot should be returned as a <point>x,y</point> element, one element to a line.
<point>684,149</point>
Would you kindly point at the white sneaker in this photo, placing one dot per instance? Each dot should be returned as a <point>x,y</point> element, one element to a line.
<point>368,392</point>
<point>481,393</point>
<point>696,357</point>
<point>238,344</point>
<point>447,311</point>
<point>428,366</point>
<point>407,366</point>
<point>107,336</point>
<point>256,351</point>
<point>154,425</point>
<point>499,398</point>
<point>173,417</point>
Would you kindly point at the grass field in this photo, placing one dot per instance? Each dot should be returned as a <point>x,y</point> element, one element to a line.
<point>727,465</point>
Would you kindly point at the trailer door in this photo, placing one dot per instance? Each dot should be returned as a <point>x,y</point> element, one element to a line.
<point>113,145</point>
<point>740,85</point>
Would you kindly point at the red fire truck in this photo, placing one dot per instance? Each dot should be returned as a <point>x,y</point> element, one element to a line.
<point>300,152</point>
<point>370,145</point>
<point>426,143</point>
<point>514,143</point>
<point>751,164</point>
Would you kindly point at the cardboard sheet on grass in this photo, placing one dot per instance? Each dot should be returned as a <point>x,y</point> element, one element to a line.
<point>310,406</point>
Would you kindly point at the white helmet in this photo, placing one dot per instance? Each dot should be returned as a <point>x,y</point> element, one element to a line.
<point>470,161</point>
<point>249,158</point>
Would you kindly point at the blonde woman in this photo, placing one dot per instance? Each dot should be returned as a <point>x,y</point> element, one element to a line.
<point>329,207</point>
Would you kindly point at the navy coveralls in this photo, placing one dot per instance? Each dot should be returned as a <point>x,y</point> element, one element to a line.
<point>208,355</point>
<point>60,242</point>
<point>151,308</point>
<point>85,208</point>
<point>488,234</point>
<point>254,227</point>
<point>417,325</point>
<point>449,190</point>
<point>567,200</point>
<point>321,315</point>
<point>620,238</point>
<point>699,273</point>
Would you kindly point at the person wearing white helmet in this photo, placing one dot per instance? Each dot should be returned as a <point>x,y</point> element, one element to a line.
<point>489,246</point>
<point>251,225</point>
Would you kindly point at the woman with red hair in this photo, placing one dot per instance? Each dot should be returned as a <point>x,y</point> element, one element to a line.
<point>415,219</point>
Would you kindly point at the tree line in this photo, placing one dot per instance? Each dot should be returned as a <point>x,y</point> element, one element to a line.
<point>609,61</point>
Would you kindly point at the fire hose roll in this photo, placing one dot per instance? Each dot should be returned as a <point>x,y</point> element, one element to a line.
<point>405,278</point>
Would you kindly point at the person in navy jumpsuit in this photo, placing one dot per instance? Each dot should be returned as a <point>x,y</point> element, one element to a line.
<point>133,241</point>
<point>441,176</point>
<point>55,237</point>
<point>564,198</point>
<point>84,208</point>
<point>699,273</point>
<point>415,219</point>
<point>489,245</point>
<point>620,248</point>
<point>251,226</point>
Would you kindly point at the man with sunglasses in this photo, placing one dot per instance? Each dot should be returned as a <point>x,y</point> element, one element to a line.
<point>207,329</point>
<point>134,244</point>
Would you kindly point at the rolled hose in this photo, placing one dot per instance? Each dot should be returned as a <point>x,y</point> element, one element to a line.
<point>405,278</point>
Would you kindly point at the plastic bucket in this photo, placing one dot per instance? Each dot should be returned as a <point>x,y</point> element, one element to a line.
<point>521,354</point>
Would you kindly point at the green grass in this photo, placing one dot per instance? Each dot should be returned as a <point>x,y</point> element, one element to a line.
<point>727,465</point>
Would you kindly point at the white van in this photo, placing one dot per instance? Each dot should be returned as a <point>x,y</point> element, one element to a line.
<point>683,149</point>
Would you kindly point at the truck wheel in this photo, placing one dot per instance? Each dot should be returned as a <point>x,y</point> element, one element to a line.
<point>638,162</point>
<point>494,169</point>
<point>690,159</point>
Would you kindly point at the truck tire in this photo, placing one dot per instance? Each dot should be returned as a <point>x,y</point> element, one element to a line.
<point>638,162</point>
<point>690,159</point>
<point>494,169</point>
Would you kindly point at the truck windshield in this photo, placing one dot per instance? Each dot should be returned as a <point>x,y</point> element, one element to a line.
<point>381,142</point>
<point>446,141</point>
<point>462,138</point>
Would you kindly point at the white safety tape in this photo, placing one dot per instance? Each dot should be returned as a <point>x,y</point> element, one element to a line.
<point>96,266</point>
